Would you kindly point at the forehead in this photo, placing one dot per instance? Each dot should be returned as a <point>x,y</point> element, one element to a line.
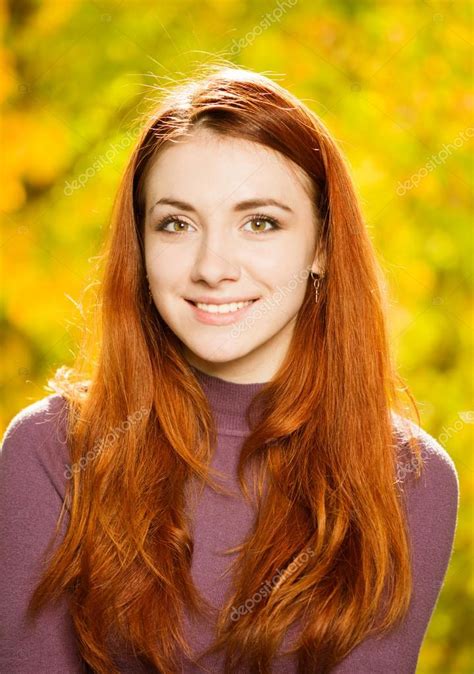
<point>208,166</point>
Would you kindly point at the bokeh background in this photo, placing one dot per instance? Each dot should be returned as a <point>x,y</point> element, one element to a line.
<point>391,80</point>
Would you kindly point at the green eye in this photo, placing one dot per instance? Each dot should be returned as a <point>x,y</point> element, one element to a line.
<point>166,221</point>
<point>264,219</point>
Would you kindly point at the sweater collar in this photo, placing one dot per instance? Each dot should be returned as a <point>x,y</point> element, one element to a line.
<point>228,401</point>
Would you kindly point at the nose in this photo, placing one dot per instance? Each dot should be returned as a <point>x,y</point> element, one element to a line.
<point>215,260</point>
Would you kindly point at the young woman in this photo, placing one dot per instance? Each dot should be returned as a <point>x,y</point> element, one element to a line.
<point>228,481</point>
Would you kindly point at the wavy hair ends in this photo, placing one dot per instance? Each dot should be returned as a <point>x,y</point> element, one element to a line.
<point>322,451</point>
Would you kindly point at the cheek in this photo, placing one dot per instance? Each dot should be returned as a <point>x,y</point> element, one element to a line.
<point>290,269</point>
<point>289,288</point>
<point>161,269</point>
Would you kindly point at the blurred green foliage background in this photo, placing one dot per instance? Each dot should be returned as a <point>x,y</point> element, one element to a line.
<point>391,80</point>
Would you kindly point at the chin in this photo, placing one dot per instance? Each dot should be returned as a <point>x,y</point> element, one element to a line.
<point>214,354</point>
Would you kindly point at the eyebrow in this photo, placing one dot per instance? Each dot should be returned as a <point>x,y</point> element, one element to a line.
<point>240,206</point>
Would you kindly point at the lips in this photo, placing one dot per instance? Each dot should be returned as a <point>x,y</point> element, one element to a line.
<point>218,318</point>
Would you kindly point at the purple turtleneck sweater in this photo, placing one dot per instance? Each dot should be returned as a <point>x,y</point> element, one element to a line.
<point>33,459</point>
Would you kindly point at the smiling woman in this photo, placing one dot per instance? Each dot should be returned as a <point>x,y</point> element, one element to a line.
<point>232,407</point>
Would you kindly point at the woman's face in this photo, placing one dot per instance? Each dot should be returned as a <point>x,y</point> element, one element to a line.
<point>214,249</point>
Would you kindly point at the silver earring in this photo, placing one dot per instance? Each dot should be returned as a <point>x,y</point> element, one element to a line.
<point>316,282</point>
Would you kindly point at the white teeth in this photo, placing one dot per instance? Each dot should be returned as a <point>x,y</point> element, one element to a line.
<point>222,308</point>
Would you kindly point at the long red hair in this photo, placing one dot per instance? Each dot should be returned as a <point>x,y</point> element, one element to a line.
<point>323,446</point>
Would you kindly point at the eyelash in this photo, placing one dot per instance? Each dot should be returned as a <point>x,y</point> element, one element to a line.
<point>172,218</point>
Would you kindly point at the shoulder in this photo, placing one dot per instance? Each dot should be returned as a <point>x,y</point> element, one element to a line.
<point>438,467</point>
<point>41,420</point>
<point>432,499</point>
<point>35,441</point>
